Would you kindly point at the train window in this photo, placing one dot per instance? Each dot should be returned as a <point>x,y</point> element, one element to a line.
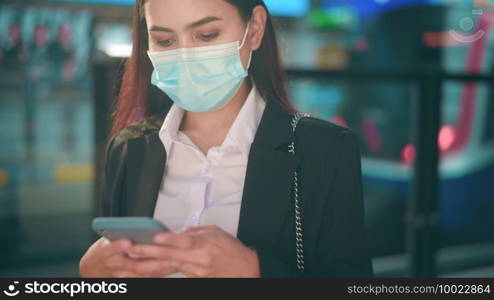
<point>378,110</point>
<point>381,112</point>
<point>489,125</point>
<point>452,92</point>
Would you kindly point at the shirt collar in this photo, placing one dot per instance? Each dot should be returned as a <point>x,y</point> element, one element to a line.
<point>244,128</point>
<point>169,130</point>
<point>240,135</point>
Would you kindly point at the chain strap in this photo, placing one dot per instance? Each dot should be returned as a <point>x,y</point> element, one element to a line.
<point>299,241</point>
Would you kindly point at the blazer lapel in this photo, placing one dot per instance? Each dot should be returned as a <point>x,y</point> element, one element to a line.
<point>267,187</point>
<point>145,167</point>
<point>269,179</point>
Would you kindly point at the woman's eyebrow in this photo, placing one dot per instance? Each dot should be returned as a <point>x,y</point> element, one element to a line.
<point>196,24</point>
<point>203,21</point>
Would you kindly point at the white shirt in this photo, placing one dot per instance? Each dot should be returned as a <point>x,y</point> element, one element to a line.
<point>199,189</point>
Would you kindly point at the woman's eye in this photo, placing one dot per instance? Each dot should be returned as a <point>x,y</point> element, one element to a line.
<point>209,37</point>
<point>165,43</point>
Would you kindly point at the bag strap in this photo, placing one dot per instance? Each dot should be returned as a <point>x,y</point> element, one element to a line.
<point>299,241</point>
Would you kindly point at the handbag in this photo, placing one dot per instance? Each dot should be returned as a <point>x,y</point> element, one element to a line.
<point>299,241</point>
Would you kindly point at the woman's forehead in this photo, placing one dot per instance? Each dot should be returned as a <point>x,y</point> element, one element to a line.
<point>180,13</point>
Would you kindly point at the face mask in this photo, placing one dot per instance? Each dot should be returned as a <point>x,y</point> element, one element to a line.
<point>200,79</point>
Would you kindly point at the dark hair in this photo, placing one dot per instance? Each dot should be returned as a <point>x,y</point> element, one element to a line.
<point>138,99</point>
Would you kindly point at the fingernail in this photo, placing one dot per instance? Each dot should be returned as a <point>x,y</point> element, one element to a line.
<point>162,237</point>
<point>133,255</point>
<point>126,244</point>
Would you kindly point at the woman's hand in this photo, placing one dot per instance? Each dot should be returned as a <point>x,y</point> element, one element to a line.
<point>204,251</point>
<point>110,260</point>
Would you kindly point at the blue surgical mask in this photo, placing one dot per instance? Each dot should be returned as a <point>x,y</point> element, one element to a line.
<point>200,79</point>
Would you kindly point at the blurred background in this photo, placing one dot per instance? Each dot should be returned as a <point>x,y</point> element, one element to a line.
<point>413,77</point>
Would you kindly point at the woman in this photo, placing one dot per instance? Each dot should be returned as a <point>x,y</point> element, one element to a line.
<point>201,143</point>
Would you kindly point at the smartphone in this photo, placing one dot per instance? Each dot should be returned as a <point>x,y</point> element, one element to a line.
<point>140,230</point>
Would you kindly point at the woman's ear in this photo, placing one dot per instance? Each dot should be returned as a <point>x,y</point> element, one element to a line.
<point>257,27</point>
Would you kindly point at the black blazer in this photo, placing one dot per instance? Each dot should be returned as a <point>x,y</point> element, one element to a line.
<point>328,160</point>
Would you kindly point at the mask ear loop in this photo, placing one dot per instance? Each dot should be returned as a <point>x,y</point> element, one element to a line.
<point>243,42</point>
<point>245,36</point>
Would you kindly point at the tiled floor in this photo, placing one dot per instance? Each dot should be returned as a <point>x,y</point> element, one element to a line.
<point>62,269</point>
<point>485,272</point>
<point>71,269</point>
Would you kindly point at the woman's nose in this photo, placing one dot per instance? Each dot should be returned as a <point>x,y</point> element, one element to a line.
<point>185,41</point>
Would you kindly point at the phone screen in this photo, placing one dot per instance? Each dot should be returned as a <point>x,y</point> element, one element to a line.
<point>138,230</point>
